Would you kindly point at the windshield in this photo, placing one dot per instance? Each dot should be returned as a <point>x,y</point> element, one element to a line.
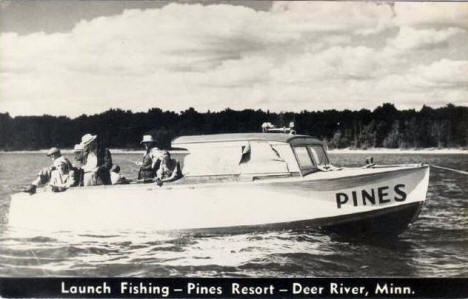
<point>309,157</point>
<point>303,157</point>
<point>318,154</point>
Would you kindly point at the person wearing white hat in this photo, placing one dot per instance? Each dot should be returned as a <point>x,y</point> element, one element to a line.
<point>151,158</point>
<point>62,177</point>
<point>78,153</point>
<point>97,162</point>
<point>44,175</point>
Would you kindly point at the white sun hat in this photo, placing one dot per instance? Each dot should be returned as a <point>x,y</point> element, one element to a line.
<point>87,139</point>
<point>147,139</point>
<point>59,162</point>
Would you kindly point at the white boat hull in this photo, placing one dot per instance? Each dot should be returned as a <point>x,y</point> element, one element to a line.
<point>333,200</point>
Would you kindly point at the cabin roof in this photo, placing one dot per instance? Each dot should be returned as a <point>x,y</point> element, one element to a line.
<point>278,137</point>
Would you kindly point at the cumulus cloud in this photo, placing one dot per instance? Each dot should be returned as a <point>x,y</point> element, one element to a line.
<point>431,13</point>
<point>362,17</point>
<point>445,73</point>
<point>298,55</point>
<point>410,39</point>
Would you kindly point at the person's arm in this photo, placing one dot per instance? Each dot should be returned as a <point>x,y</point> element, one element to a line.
<point>154,162</point>
<point>69,164</point>
<point>71,179</point>
<point>77,177</point>
<point>43,176</point>
<point>176,174</point>
<point>54,184</point>
<point>107,159</point>
<point>106,162</point>
<point>159,173</point>
<point>155,158</point>
<point>147,164</point>
<point>53,179</point>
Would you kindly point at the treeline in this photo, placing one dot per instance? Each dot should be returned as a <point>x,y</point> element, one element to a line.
<point>383,127</point>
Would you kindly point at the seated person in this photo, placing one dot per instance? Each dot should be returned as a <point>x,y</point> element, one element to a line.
<point>62,177</point>
<point>116,177</point>
<point>97,162</point>
<point>44,175</point>
<point>78,151</point>
<point>169,170</point>
<point>151,159</point>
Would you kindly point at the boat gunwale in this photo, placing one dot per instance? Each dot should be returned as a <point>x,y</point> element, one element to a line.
<point>169,186</point>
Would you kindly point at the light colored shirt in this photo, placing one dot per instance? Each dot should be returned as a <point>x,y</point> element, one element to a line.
<point>91,162</point>
<point>169,171</point>
<point>116,178</point>
<point>64,180</point>
<point>155,154</point>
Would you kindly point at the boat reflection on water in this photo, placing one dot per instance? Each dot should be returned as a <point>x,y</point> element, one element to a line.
<point>237,183</point>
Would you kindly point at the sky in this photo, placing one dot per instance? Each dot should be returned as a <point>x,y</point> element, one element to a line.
<point>75,57</point>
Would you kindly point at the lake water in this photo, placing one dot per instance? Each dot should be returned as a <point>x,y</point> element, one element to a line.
<point>434,246</point>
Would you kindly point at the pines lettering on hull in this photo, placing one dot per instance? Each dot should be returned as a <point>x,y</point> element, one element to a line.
<point>373,196</point>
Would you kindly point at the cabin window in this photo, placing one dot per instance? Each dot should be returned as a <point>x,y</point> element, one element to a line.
<point>303,157</point>
<point>285,152</point>
<point>213,159</point>
<point>262,159</point>
<point>318,154</point>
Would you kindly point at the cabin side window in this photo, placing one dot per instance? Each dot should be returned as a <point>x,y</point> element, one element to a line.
<point>259,157</point>
<point>213,159</point>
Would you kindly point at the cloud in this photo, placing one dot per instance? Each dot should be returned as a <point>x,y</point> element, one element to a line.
<point>335,63</point>
<point>362,17</point>
<point>298,55</point>
<point>431,13</point>
<point>412,39</point>
<point>445,73</point>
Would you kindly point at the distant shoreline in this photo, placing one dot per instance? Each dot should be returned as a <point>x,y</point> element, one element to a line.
<point>434,151</point>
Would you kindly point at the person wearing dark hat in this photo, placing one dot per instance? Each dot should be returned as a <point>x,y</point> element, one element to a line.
<point>151,159</point>
<point>44,175</point>
<point>97,162</point>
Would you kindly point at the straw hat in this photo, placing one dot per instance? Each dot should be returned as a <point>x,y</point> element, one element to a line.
<point>147,139</point>
<point>53,150</point>
<point>87,139</point>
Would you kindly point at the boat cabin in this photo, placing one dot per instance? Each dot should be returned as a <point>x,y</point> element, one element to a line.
<point>250,156</point>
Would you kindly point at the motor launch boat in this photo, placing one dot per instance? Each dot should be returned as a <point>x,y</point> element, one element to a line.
<point>243,181</point>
